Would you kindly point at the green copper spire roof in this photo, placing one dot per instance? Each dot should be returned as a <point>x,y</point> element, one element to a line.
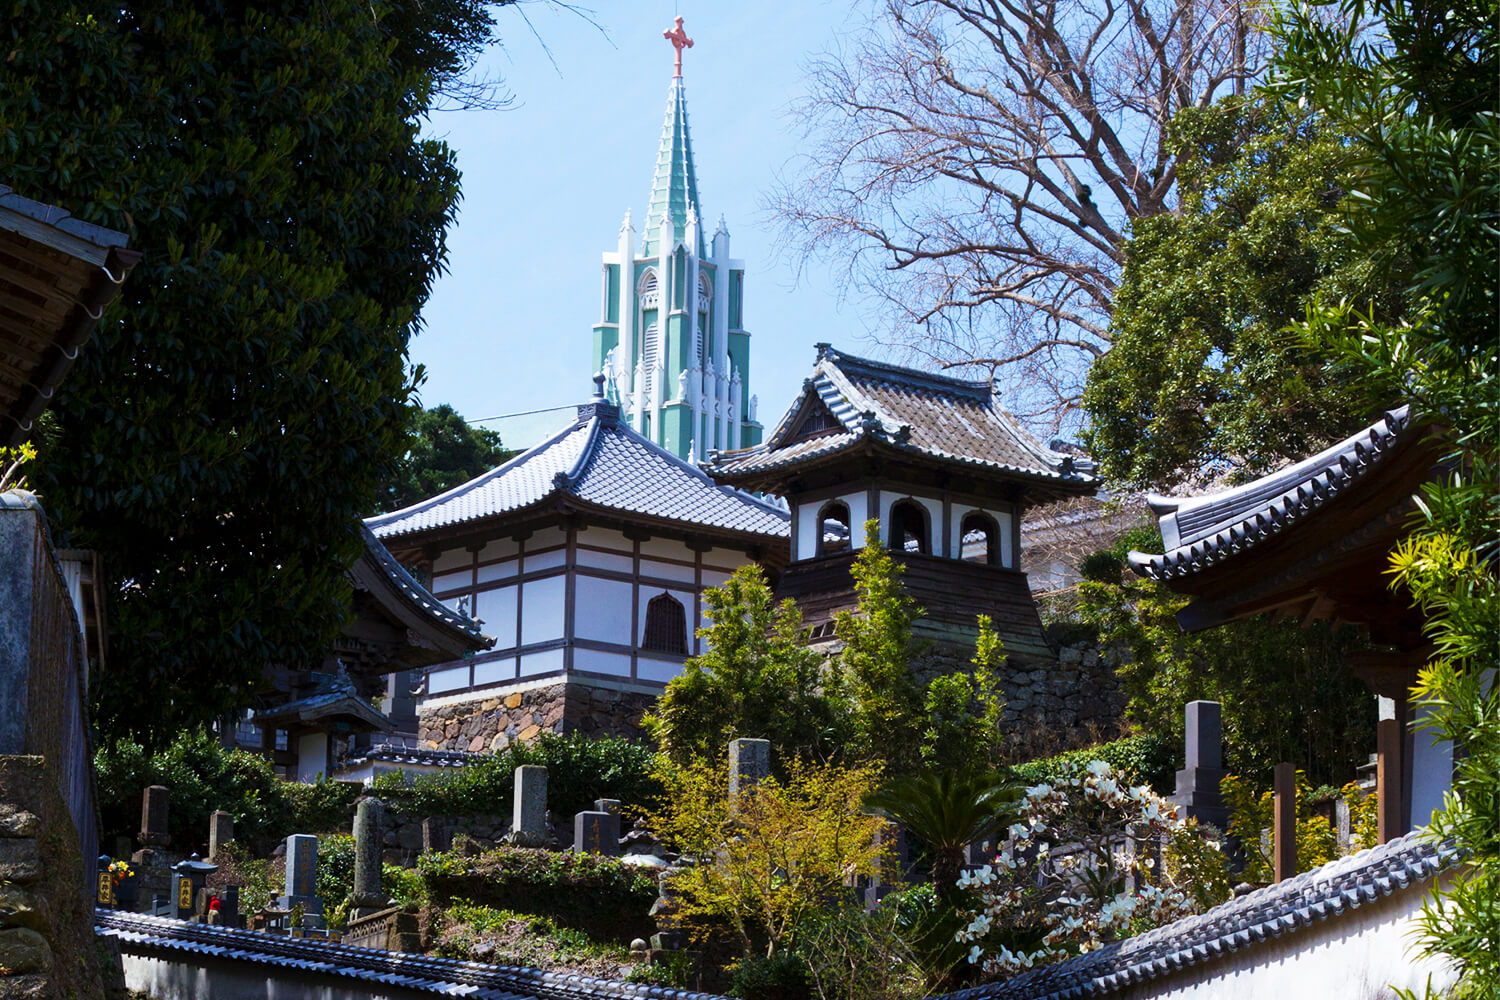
<point>674,189</point>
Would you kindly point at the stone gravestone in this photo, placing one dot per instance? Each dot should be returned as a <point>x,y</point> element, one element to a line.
<point>749,763</point>
<point>153,823</point>
<point>608,806</point>
<point>528,827</point>
<point>220,831</point>
<point>1203,766</point>
<point>437,836</point>
<point>596,833</point>
<point>369,818</point>
<point>302,878</point>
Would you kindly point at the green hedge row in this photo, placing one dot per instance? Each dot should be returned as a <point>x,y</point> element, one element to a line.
<point>1146,758</point>
<point>580,769</point>
<point>606,899</point>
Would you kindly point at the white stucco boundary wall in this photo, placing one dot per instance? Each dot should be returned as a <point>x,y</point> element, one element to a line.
<point>1357,955</point>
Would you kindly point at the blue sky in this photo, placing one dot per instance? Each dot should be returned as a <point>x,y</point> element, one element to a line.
<point>547,182</point>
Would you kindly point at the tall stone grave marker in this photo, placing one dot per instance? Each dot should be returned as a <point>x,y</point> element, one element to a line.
<point>596,832</point>
<point>153,833</point>
<point>528,827</point>
<point>369,820</point>
<point>1203,765</point>
<point>749,763</point>
<point>302,877</point>
<point>220,831</point>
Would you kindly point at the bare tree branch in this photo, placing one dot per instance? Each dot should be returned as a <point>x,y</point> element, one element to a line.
<point>976,165</point>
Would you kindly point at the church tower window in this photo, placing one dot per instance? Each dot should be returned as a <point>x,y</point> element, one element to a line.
<point>666,625</point>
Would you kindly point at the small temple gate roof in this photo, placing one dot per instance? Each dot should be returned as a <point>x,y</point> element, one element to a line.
<point>57,274</point>
<point>597,464</point>
<point>1311,540</point>
<point>851,405</point>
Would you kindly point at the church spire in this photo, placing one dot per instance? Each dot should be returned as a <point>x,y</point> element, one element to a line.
<point>674,189</point>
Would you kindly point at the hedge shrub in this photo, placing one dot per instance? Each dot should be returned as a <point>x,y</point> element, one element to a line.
<point>580,769</point>
<point>606,899</point>
<point>1146,758</point>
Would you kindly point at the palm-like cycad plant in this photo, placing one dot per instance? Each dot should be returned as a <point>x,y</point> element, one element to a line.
<point>948,810</point>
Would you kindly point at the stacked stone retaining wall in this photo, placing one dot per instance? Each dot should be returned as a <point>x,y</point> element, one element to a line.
<point>494,723</point>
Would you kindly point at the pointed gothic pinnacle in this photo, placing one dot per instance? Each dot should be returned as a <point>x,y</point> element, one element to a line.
<point>722,227</point>
<point>626,224</point>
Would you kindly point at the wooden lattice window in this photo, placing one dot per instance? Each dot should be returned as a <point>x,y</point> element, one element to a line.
<point>666,625</point>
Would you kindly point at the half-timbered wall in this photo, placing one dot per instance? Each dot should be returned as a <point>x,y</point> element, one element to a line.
<point>573,601</point>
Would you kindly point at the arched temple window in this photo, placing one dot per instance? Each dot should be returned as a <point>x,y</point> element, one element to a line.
<point>909,527</point>
<point>980,539</point>
<point>833,528</point>
<point>666,625</point>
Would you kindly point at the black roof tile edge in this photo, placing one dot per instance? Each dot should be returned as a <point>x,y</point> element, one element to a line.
<point>1298,902</point>
<point>1303,488</point>
<point>419,595</point>
<point>416,972</point>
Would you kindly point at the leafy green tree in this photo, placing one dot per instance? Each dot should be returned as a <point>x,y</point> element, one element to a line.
<point>443,451</point>
<point>242,402</point>
<point>1255,668</point>
<point>1201,376</point>
<point>757,679</point>
<point>948,811</point>
<point>1417,91</point>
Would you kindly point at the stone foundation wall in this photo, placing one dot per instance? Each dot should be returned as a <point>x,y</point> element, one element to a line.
<point>492,724</point>
<point>47,945</point>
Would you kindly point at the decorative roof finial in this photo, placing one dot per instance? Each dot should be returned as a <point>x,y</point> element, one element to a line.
<point>599,386</point>
<point>680,41</point>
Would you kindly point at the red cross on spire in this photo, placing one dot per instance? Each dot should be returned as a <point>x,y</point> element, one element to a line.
<point>680,41</point>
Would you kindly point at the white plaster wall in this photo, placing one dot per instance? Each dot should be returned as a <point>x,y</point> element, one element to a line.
<point>451,559</point>
<point>606,560</point>
<point>496,610</point>
<point>656,670</point>
<point>543,538</point>
<point>452,679</point>
<point>1356,955</point>
<point>195,977</point>
<point>546,560</point>
<point>498,571</point>
<point>805,545</point>
<point>312,756</point>
<point>541,662</point>
<point>452,581</point>
<point>499,548</point>
<point>602,610</point>
<point>604,538</point>
<point>599,662</point>
<point>495,671</point>
<point>666,547</point>
<point>668,571</point>
<point>859,513</point>
<point>542,609</point>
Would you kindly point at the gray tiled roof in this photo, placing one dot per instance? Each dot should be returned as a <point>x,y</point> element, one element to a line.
<point>463,628</point>
<point>392,753</point>
<point>1283,908</point>
<point>938,416</point>
<point>1200,531</point>
<point>138,934</point>
<point>600,461</point>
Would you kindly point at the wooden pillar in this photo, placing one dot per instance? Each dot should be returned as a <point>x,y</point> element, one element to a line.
<point>1389,741</point>
<point>1284,823</point>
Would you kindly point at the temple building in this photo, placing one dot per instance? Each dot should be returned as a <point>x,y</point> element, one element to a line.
<point>948,473</point>
<point>586,557</point>
<point>671,339</point>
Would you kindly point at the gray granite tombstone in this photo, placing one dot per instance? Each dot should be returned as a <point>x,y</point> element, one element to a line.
<point>154,818</point>
<point>528,827</point>
<point>437,835</point>
<point>607,805</point>
<point>596,832</point>
<point>749,763</point>
<point>1203,765</point>
<point>302,877</point>
<point>369,834</point>
<point>220,831</point>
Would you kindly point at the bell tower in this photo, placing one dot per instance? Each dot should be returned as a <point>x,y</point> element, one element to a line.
<point>670,340</point>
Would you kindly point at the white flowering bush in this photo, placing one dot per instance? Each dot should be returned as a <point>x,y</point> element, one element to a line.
<point>1076,870</point>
